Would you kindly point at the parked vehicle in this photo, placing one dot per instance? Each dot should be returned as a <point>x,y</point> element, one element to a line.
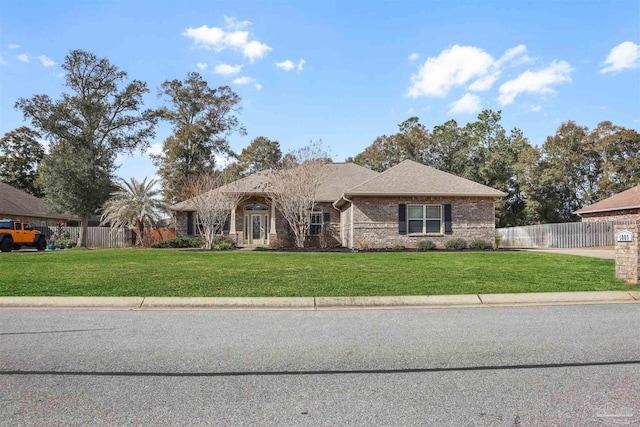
<point>15,234</point>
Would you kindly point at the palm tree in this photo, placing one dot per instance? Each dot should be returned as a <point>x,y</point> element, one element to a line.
<point>135,205</point>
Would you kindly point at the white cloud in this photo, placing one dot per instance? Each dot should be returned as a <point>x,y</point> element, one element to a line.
<point>24,57</point>
<point>414,56</point>
<point>461,65</point>
<point>202,65</point>
<point>232,36</point>
<point>2,61</point>
<point>46,61</point>
<point>233,23</point>
<point>155,149</point>
<point>453,67</point>
<point>541,81</point>
<point>288,65</point>
<point>13,46</point>
<point>247,81</point>
<point>624,56</point>
<point>468,104</point>
<point>535,108</point>
<point>227,70</point>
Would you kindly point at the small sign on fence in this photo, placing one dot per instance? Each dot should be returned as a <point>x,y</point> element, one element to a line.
<point>624,236</point>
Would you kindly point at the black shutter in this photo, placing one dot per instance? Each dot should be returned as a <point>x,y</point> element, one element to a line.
<point>448,229</point>
<point>189,223</point>
<point>226,226</point>
<point>402,218</point>
<point>326,217</point>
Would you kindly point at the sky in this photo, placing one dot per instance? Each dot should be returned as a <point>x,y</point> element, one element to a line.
<point>344,72</point>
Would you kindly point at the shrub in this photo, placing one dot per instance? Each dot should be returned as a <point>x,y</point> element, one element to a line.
<point>480,244</point>
<point>222,244</point>
<point>398,248</point>
<point>456,244</point>
<point>181,242</point>
<point>425,245</point>
<point>363,244</point>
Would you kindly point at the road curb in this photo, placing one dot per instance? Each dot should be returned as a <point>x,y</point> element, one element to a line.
<point>71,302</point>
<point>228,303</point>
<point>320,303</point>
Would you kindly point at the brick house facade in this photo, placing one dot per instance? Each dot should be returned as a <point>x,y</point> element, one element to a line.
<point>358,208</point>
<point>624,206</point>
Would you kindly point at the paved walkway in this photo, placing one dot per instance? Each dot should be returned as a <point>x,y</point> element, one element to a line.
<point>588,252</point>
<point>318,303</point>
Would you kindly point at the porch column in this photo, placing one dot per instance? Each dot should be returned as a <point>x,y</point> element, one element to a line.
<point>232,222</point>
<point>272,225</point>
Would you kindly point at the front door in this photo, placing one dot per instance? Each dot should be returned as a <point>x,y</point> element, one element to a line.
<point>256,232</point>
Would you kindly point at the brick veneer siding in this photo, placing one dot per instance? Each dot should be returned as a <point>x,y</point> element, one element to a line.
<point>622,215</point>
<point>376,220</point>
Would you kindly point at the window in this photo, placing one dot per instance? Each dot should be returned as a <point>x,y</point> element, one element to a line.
<point>425,219</point>
<point>316,222</point>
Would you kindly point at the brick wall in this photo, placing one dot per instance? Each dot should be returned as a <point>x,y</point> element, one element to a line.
<point>622,215</point>
<point>628,255</point>
<point>376,220</point>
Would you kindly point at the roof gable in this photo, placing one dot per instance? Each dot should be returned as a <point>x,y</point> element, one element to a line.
<point>628,199</point>
<point>15,202</point>
<point>337,177</point>
<point>412,178</point>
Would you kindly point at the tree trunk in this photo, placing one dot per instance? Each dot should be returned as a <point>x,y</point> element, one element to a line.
<point>84,231</point>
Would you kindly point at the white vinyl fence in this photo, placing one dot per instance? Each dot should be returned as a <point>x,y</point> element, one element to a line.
<point>97,237</point>
<point>563,235</point>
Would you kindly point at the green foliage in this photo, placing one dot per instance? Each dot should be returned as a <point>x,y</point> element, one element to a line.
<point>89,127</point>
<point>222,244</point>
<point>398,248</point>
<point>201,120</point>
<point>180,242</point>
<point>456,244</point>
<point>425,245</point>
<point>20,155</point>
<point>479,244</point>
<point>134,205</point>
<point>261,154</point>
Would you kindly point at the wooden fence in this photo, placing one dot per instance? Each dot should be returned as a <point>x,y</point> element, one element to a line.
<point>563,235</point>
<point>97,237</point>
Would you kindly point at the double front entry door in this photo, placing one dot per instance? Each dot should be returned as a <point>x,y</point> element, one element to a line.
<point>256,228</point>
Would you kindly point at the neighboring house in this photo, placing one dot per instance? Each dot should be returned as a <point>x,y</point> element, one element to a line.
<point>623,206</point>
<point>362,208</point>
<point>20,205</point>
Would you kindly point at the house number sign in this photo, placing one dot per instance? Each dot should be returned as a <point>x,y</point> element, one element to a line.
<point>625,236</point>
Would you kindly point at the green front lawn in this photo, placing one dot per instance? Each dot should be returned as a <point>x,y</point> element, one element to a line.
<point>169,272</point>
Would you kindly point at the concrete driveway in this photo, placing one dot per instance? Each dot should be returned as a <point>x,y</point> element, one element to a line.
<point>598,252</point>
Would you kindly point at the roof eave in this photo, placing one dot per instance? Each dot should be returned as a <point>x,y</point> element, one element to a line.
<point>623,208</point>
<point>496,196</point>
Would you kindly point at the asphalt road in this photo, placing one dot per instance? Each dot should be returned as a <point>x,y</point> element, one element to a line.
<point>518,366</point>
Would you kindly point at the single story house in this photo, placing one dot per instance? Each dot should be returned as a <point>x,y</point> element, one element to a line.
<point>21,206</point>
<point>623,206</point>
<point>363,208</point>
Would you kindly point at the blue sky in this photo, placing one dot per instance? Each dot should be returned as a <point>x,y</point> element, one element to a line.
<point>344,71</point>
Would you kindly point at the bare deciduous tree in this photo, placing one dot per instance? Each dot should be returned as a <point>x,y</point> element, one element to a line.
<point>213,197</point>
<point>293,187</point>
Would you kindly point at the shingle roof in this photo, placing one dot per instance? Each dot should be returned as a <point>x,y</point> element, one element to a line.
<point>628,199</point>
<point>14,202</point>
<point>412,178</point>
<point>340,177</point>
<point>336,179</point>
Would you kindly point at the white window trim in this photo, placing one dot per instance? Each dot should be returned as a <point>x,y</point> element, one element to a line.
<point>424,220</point>
<point>316,212</point>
